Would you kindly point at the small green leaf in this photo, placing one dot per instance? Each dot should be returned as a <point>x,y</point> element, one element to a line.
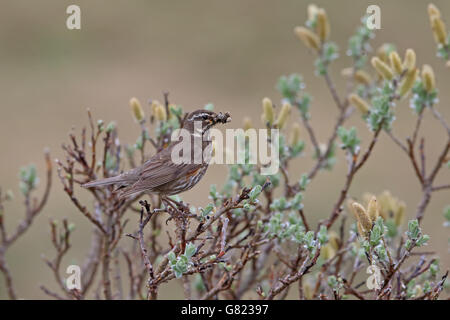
<point>209,107</point>
<point>322,235</point>
<point>172,257</point>
<point>255,192</point>
<point>190,250</point>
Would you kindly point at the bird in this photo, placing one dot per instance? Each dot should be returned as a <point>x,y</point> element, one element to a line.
<point>162,176</point>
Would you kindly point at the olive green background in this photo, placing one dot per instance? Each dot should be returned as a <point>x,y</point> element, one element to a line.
<point>229,53</point>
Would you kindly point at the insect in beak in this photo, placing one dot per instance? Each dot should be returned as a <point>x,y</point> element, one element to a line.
<point>218,118</point>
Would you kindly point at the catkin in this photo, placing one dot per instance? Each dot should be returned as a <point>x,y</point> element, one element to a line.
<point>359,103</point>
<point>387,204</point>
<point>408,82</point>
<point>360,229</point>
<point>410,60</point>
<point>382,52</point>
<point>396,62</point>
<point>247,124</point>
<point>308,290</point>
<point>137,110</point>
<point>399,215</point>
<point>362,217</point>
<point>327,252</point>
<point>284,114</point>
<point>382,68</point>
<point>372,209</point>
<point>268,111</point>
<point>154,105</point>
<point>333,240</point>
<point>295,134</point>
<point>160,113</point>
<point>429,81</point>
<point>439,31</point>
<point>309,38</point>
<point>433,11</point>
<point>363,77</point>
<point>347,72</point>
<point>323,25</point>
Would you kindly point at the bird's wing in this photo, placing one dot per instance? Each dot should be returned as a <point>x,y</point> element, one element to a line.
<point>162,172</point>
<point>157,171</point>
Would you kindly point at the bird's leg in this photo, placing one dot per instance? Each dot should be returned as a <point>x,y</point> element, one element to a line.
<point>168,206</point>
<point>180,205</point>
<point>146,205</point>
<point>167,203</point>
<point>176,212</point>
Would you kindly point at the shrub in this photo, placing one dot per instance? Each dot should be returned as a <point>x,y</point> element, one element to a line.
<point>227,249</point>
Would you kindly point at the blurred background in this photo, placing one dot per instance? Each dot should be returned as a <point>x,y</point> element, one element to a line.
<point>229,53</point>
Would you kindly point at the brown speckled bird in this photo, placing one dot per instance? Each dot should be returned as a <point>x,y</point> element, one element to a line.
<point>160,175</point>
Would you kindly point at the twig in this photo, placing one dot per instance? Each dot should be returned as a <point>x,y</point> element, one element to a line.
<point>354,166</point>
<point>148,265</point>
<point>30,214</point>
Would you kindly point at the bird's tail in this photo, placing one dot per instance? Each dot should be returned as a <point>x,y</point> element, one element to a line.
<point>103,182</point>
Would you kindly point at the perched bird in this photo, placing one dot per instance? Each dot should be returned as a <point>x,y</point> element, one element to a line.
<point>160,174</point>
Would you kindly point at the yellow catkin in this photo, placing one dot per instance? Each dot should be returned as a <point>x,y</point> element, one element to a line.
<point>327,252</point>
<point>384,201</point>
<point>359,103</point>
<point>399,215</point>
<point>372,209</point>
<point>347,72</point>
<point>284,114</point>
<point>408,82</point>
<point>418,291</point>
<point>391,207</point>
<point>154,105</point>
<point>323,25</point>
<point>428,78</point>
<point>137,110</point>
<point>366,197</point>
<point>409,62</point>
<point>268,111</point>
<point>439,31</point>
<point>309,38</point>
<point>396,62</point>
<point>433,11</point>
<point>382,68</point>
<point>247,124</point>
<point>312,11</point>
<point>362,217</point>
<point>295,134</point>
<point>363,77</point>
<point>308,289</point>
<point>361,231</point>
<point>381,209</point>
<point>333,240</point>
<point>382,53</point>
<point>160,113</point>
